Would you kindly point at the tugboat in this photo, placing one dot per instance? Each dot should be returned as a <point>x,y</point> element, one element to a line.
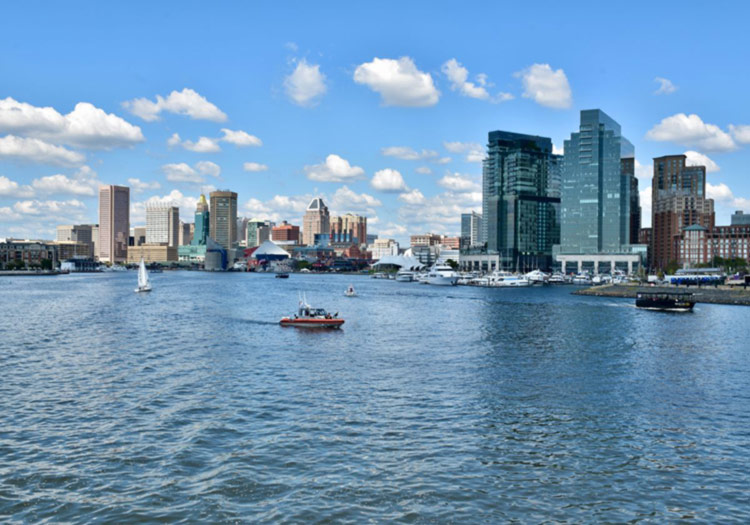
<point>309,317</point>
<point>665,301</point>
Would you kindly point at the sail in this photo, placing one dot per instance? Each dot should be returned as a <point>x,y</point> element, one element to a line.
<point>142,275</point>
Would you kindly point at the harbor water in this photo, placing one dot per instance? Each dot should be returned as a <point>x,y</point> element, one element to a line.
<point>430,405</point>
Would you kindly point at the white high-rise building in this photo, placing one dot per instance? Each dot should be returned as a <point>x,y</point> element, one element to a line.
<point>162,224</point>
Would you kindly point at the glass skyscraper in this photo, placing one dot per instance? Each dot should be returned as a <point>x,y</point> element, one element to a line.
<point>201,222</point>
<point>596,188</point>
<point>520,200</point>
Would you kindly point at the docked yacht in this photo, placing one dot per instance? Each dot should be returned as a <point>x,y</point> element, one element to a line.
<point>557,278</point>
<point>537,277</point>
<point>404,276</point>
<point>583,279</point>
<point>442,275</point>
<point>503,279</point>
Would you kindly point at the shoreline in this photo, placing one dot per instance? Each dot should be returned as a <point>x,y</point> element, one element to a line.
<point>705,294</point>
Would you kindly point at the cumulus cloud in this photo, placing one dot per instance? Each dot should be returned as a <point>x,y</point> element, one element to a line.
<point>691,131</point>
<point>459,183</point>
<point>10,188</point>
<point>740,133</point>
<point>206,167</point>
<point>254,166</point>
<point>240,138</point>
<point>545,86</point>
<point>38,151</point>
<point>345,200</point>
<point>85,127</point>
<point>724,196</point>
<point>473,150</point>
<point>306,85</point>
<point>665,86</point>
<point>203,145</point>
<point>644,172</point>
<point>398,82</point>
<point>186,102</point>
<point>57,210</point>
<point>459,78</point>
<point>139,186</point>
<point>440,213</point>
<point>557,151</point>
<point>699,159</point>
<point>83,183</point>
<point>334,169</point>
<point>182,172</point>
<point>423,170</point>
<point>407,153</point>
<point>392,230</point>
<point>279,208</point>
<point>388,180</point>
<point>412,197</point>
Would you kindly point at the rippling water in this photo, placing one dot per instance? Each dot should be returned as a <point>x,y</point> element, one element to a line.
<point>430,405</point>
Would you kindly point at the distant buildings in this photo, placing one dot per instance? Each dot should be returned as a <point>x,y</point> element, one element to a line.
<point>678,196</point>
<point>700,245</point>
<point>77,233</point>
<point>740,218</point>
<point>425,239</point>
<point>383,247</point>
<point>114,223</point>
<point>348,229</point>
<point>315,221</point>
<point>186,233</point>
<point>163,224</point>
<point>596,196</point>
<point>471,229</point>
<point>152,253</point>
<point>202,224</point>
<point>285,234</point>
<point>21,254</point>
<point>257,232</point>
<point>223,219</point>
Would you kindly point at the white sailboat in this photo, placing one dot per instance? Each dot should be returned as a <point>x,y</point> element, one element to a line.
<point>144,285</point>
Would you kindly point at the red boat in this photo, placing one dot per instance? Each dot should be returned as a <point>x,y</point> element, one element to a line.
<point>308,317</point>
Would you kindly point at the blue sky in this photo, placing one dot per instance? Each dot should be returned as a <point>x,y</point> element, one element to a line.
<point>378,107</point>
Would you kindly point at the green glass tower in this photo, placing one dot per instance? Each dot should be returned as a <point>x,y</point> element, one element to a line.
<point>201,222</point>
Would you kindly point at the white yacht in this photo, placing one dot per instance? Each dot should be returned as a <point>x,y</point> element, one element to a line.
<point>557,278</point>
<point>503,279</point>
<point>405,276</point>
<point>537,277</point>
<point>442,275</point>
<point>582,278</point>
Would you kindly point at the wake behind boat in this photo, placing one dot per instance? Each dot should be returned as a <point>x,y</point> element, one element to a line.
<point>309,317</point>
<point>144,285</point>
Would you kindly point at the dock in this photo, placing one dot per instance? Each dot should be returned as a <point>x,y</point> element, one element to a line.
<point>701,294</point>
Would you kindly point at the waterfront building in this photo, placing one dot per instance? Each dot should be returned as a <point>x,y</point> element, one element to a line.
<point>678,196</point>
<point>383,247</point>
<point>162,224</point>
<point>77,233</point>
<point>73,250</point>
<point>153,253</point>
<point>627,170</point>
<point>740,218</point>
<point>202,224</point>
<point>114,223</point>
<point>349,228</point>
<point>596,196</point>
<point>192,253</point>
<point>697,244</point>
<point>186,233</point>
<point>257,232</point>
<point>371,238</point>
<point>316,220</point>
<point>471,229</point>
<point>27,253</point>
<point>520,200</point>
<point>425,239</point>
<point>223,219</point>
<point>95,240</point>
<point>139,236</point>
<point>286,233</point>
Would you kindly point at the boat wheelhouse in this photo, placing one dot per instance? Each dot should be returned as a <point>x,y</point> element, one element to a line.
<point>665,300</point>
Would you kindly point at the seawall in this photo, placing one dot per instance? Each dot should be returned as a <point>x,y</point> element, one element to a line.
<point>703,294</point>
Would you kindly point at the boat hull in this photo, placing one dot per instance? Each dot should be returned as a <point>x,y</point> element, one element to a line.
<point>665,305</point>
<point>311,323</point>
<point>141,290</point>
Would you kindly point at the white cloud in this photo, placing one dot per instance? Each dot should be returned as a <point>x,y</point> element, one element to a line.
<point>412,197</point>
<point>334,169</point>
<point>254,166</point>
<point>83,182</point>
<point>306,85</point>
<point>474,151</point>
<point>645,201</point>
<point>724,196</point>
<point>174,140</point>
<point>348,201</point>
<point>644,172</point>
<point>407,153</point>
<point>38,151</point>
<point>546,86</point>
<point>10,188</point>
<point>443,160</point>
<point>204,145</point>
<point>691,131</point>
<point>459,77</point>
<point>699,159</point>
<point>424,170</point>
<point>240,138</point>
<point>279,208</point>
<point>439,214</point>
<point>459,183</point>
<point>665,86</point>
<point>139,186</point>
<point>186,102</point>
<point>85,127</point>
<point>52,209</point>
<point>740,133</point>
<point>392,230</point>
<point>558,151</point>
<point>399,82</point>
<point>388,180</point>
<point>182,172</point>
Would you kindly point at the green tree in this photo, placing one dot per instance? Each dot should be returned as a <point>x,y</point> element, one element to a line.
<point>453,264</point>
<point>46,264</point>
<point>671,268</point>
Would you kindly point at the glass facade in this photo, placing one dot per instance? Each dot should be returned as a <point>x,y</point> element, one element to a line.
<point>520,200</point>
<point>596,190</point>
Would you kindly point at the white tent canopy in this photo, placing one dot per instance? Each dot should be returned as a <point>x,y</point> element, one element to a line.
<point>405,263</point>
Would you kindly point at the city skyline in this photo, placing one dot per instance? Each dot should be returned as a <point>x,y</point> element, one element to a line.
<point>365,122</point>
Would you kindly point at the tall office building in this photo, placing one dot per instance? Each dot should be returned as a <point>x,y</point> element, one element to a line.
<point>471,228</point>
<point>162,224</point>
<point>186,233</point>
<point>520,211</point>
<point>77,233</point>
<point>597,200</point>
<point>201,228</point>
<point>223,220</point>
<point>114,223</point>
<point>315,221</point>
<point>241,229</point>
<point>258,232</point>
<point>285,233</point>
<point>627,167</point>
<point>349,228</point>
<point>678,196</point>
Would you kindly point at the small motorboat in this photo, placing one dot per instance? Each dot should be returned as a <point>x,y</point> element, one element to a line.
<point>350,292</point>
<point>282,275</point>
<point>309,317</point>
